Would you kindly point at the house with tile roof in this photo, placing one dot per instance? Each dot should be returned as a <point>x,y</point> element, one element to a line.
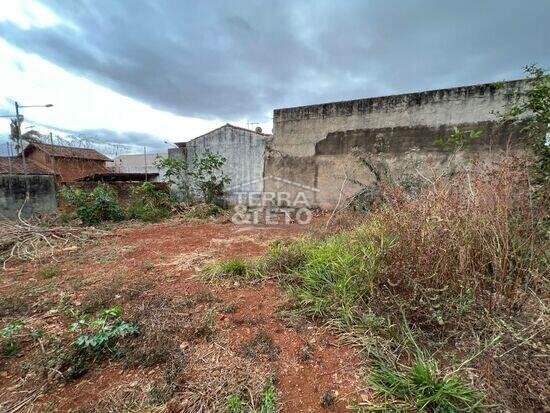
<point>67,162</point>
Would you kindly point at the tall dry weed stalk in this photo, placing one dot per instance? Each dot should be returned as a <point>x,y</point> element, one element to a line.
<point>465,240</point>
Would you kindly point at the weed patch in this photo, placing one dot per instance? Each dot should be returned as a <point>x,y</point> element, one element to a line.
<point>420,387</point>
<point>331,277</point>
<point>206,329</point>
<point>9,345</point>
<point>239,403</point>
<point>49,273</point>
<point>246,272</point>
<point>96,339</point>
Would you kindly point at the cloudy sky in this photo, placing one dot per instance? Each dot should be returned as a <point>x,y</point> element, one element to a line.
<point>144,71</point>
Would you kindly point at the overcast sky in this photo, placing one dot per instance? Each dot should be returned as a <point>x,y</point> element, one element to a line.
<point>145,71</point>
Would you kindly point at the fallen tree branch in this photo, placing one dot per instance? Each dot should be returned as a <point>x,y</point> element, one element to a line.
<point>22,240</point>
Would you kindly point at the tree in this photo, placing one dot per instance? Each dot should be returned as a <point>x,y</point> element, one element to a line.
<point>176,174</point>
<point>532,109</point>
<point>208,175</point>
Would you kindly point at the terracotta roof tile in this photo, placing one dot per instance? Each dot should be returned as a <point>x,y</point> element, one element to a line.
<point>67,151</point>
<point>14,165</point>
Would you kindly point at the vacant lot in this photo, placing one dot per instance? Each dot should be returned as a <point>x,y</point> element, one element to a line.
<point>200,346</point>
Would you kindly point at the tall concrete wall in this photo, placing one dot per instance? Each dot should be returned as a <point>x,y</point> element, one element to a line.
<point>312,144</point>
<point>13,189</point>
<point>243,151</point>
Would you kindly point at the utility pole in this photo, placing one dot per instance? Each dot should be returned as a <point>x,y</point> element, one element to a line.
<point>145,161</point>
<point>18,131</point>
<point>53,154</point>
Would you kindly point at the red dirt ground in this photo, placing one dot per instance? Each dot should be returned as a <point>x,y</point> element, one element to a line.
<point>168,255</point>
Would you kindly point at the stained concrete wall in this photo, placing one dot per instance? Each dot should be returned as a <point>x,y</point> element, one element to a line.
<point>312,144</point>
<point>13,189</point>
<point>243,151</point>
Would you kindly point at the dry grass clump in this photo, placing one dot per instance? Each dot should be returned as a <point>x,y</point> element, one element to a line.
<point>114,291</point>
<point>165,323</point>
<point>217,380</point>
<point>140,397</point>
<point>464,261</point>
<point>467,246</point>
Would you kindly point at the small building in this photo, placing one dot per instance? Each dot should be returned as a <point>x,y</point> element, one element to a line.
<point>67,162</point>
<point>243,150</point>
<point>138,163</point>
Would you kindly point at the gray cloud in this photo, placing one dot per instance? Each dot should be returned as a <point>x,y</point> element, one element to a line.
<point>240,59</point>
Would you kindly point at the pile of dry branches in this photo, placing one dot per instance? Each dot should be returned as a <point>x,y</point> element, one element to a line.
<point>25,241</point>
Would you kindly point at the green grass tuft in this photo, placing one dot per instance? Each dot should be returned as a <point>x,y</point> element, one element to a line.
<point>50,272</point>
<point>331,277</point>
<point>246,272</point>
<point>420,387</point>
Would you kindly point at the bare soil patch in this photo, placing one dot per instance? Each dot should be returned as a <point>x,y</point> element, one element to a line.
<point>196,341</point>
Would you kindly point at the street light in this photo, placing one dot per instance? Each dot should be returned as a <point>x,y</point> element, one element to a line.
<point>18,120</point>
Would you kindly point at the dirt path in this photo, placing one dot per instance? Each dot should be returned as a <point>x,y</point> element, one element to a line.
<point>161,259</point>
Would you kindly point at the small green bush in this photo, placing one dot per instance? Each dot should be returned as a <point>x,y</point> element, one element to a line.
<point>237,402</point>
<point>150,204</point>
<point>8,342</point>
<point>92,208</point>
<point>96,339</point>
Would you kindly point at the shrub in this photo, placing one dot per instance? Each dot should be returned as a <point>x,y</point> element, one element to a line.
<point>50,272</point>
<point>238,403</point>
<point>99,205</point>
<point>149,204</point>
<point>205,175</point>
<point>208,176</point>
<point>203,211</point>
<point>96,339</point>
<point>8,338</point>
<point>176,174</point>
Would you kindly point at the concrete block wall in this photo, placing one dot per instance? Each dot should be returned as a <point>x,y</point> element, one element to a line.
<point>13,189</point>
<point>312,144</point>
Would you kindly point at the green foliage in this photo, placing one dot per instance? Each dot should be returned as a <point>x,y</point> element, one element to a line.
<point>50,272</point>
<point>331,277</point>
<point>150,204</point>
<point>208,176</point>
<point>420,387</point>
<point>205,175</point>
<point>237,402</point>
<point>97,338</point>
<point>533,109</point>
<point>97,206</point>
<point>8,342</point>
<point>235,269</point>
<point>458,139</point>
<point>176,174</point>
